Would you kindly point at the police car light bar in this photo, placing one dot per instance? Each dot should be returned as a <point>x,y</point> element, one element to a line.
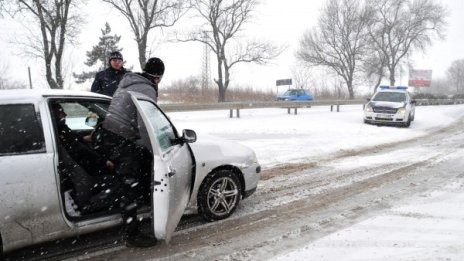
<point>393,87</point>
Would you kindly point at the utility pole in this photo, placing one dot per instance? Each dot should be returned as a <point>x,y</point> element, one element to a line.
<point>30,78</point>
<point>206,68</point>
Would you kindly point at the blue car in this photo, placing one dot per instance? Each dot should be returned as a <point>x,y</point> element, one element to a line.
<point>296,95</point>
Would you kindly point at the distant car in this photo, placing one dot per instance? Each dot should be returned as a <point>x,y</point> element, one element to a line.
<point>392,106</point>
<point>43,191</point>
<point>296,95</point>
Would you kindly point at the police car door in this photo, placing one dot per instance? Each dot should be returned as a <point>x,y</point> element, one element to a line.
<point>173,169</point>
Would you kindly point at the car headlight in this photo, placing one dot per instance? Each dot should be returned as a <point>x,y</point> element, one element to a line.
<point>402,111</point>
<point>369,108</point>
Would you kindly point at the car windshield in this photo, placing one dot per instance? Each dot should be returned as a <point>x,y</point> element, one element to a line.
<point>390,97</point>
<point>293,92</point>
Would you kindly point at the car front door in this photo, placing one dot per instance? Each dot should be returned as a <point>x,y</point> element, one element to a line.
<point>173,169</point>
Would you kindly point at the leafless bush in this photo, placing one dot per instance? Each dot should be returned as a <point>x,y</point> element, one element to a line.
<point>189,91</point>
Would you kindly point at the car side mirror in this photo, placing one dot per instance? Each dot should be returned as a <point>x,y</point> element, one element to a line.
<point>413,101</point>
<point>368,98</point>
<point>189,136</point>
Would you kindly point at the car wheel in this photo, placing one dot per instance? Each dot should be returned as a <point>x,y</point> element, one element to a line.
<point>408,123</point>
<point>219,195</point>
<point>1,247</point>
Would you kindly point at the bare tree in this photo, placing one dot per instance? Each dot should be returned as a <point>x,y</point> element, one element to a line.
<point>301,77</point>
<point>2,7</point>
<point>339,39</point>
<point>5,82</point>
<point>374,66</point>
<point>455,74</point>
<point>401,26</point>
<point>221,32</point>
<point>56,26</point>
<point>145,15</point>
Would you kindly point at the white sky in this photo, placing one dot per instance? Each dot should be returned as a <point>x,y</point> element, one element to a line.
<point>282,22</point>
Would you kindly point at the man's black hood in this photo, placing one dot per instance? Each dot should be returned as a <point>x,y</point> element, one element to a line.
<point>130,79</point>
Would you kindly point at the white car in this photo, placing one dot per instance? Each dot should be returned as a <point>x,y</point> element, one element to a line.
<point>392,106</point>
<point>43,191</point>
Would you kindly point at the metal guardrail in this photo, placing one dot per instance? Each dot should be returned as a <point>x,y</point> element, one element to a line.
<point>254,105</point>
<point>237,106</point>
<point>425,102</point>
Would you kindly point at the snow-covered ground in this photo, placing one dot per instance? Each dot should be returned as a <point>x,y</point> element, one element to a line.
<point>281,138</point>
<point>426,227</point>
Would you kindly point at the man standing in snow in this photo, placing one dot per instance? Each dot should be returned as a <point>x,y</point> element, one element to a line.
<point>123,138</point>
<point>106,82</point>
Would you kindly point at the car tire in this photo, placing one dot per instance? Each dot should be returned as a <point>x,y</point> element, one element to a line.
<point>408,123</point>
<point>219,195</point>
<point>1,248</point>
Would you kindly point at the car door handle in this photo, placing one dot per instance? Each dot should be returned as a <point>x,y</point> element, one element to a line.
<point>172,171</point>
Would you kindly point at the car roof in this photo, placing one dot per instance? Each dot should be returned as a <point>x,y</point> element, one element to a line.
<point>37,94</point>
<point>393,90</point>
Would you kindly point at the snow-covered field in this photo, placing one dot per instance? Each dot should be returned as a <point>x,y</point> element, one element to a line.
<point>425,227</point>
<point>281,138</point>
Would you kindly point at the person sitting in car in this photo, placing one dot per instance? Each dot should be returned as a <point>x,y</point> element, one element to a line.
<point>92,162</point>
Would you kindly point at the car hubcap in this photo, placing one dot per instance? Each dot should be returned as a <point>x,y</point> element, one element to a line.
<point>222,196</point>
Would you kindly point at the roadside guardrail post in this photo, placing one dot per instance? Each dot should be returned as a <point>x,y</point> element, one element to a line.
<point>338,107</point>
<point>331,107</point>
<point>231,112</point>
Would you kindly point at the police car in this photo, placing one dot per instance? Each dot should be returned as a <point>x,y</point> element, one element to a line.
<point>390,106</point>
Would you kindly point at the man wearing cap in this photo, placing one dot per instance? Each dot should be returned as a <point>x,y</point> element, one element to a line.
<point>123,138</point>
<point>106,82</point>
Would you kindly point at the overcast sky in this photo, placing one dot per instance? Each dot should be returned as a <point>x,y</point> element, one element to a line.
<point>281,22</point>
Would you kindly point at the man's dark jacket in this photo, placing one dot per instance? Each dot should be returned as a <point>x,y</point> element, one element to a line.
<point>106,82</point>
<point>123,118</point>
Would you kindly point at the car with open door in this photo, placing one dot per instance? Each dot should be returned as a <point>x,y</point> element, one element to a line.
<point>47,192</point>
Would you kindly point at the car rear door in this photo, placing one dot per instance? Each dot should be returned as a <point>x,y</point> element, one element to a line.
<point>173,169</point>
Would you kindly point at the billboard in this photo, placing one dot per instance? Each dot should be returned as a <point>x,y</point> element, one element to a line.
<point>420,78</point>
<point>284,82</point>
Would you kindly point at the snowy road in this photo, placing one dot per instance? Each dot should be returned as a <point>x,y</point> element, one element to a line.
<point>397,201</point>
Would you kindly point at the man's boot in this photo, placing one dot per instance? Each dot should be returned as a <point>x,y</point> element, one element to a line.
<point>133,236</point>
<point>139,239</point>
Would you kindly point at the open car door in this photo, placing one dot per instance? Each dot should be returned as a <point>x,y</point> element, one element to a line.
<point>173,168</point>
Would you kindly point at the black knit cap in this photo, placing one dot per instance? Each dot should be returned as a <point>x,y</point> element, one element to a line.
<point>115,55</point>
<point>154,67</point>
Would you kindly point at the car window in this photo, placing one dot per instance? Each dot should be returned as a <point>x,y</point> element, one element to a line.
<point>164,131</point>
<point>78,111</point>
<point>20,130</point>
<point>390,97</point>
